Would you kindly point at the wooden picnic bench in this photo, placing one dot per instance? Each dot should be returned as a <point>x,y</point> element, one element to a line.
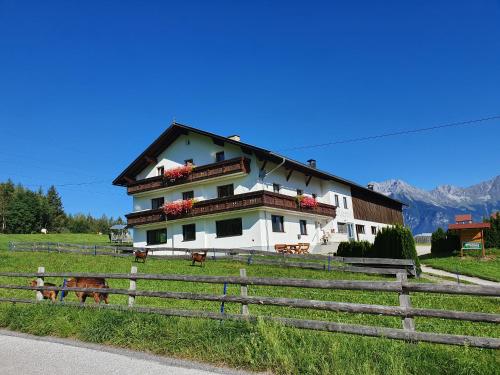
<point>300,248</point>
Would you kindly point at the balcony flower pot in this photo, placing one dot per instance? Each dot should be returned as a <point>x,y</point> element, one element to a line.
<point>179,207</point>
<point>306,202</point>
<point>178,173</point>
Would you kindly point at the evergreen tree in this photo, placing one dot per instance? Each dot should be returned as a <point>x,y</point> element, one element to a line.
<point>57,217</point>
<point>6,192</point>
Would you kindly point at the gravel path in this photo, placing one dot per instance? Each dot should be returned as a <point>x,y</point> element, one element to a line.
<point>470,279</point>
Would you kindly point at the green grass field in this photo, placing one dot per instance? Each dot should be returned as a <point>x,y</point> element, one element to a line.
<point>260,346</point>
<point>80,238</point>
<point>471,264</point>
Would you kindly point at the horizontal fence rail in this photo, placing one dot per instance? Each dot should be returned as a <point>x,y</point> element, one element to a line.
<point>383,266</point>
<point>405,311</point>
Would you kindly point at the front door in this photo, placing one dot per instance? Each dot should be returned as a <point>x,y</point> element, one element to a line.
<point>350,231</point>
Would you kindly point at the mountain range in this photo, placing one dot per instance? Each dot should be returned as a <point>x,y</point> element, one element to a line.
<point>429,209</point>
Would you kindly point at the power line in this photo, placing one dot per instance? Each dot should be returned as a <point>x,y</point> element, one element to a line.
<point>392,134</point>
<point>351,140</point>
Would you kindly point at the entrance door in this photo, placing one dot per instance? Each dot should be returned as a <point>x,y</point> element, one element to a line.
<point>350,231</point>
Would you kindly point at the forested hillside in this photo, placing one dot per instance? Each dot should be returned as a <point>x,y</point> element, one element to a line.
<point>26,211</point>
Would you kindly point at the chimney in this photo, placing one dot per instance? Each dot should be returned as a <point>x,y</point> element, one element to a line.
<point>235,137</point>
<point>312,163</point>
<point>370,186</point>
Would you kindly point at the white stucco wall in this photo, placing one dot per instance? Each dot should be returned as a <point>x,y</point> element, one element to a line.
<point>257,226</point>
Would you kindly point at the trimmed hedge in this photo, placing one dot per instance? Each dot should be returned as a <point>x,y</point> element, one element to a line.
<point>362,249</point>
<point>396,242</point>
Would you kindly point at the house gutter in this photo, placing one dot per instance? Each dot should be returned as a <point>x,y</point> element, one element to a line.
<point>263,185</point>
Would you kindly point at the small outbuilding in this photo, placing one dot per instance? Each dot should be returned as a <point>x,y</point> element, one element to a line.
<point>471,234</point>
<point>118,233</point>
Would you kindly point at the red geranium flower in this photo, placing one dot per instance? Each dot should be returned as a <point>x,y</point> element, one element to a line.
<point>178,207</point>
<point>307,202</point>
<point>177,173</point>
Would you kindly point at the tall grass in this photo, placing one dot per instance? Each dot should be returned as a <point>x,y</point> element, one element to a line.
<point>256,346</point>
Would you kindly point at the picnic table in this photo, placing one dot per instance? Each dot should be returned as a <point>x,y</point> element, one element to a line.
<point>299,248</point>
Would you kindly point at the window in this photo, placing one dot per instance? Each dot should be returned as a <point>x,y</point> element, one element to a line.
<point>187,195</point>
<point>188,162</point>
<point>157,203</point>
<point>219,156</point>
<point>360,229</point>
<point>345,202</point>
<point>342,227</point>
<point>303,227</point>
<point>225,191</point>
<point>300,192</point>
<point>228,228</point>
<point>277,223</point>
<point>336,200</point>
<point>374,230</point>
<point>189,232</point>
<point>157,236</point>
<point>160,171</point>
<point>276,188</point>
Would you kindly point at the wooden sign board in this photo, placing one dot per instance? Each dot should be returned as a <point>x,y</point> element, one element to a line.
<point>472,245</point>
<point>472,239</point>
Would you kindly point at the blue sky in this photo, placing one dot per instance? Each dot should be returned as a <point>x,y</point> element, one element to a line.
<point>86,86</point>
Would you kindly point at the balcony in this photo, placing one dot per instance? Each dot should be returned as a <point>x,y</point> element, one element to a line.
<point>204,172</point>
<point>236,202</point>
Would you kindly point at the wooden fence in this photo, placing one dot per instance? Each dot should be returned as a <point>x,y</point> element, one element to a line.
<point>383,266</point>
<point>405,310</point>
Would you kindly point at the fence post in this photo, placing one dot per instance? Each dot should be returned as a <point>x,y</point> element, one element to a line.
<point>133,286</point>
<point>222,304</point>
<point>404,302</point>
<point>244,292</point>
<point>39,282</point>
<point>329,262</point>
<point>95,250</point>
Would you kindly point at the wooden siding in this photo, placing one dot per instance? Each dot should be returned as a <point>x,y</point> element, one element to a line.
<point>233,203</point>
<point>370,206</point>
<point>203,172</point>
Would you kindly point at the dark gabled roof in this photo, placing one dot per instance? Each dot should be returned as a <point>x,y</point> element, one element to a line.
<point>176,129</point>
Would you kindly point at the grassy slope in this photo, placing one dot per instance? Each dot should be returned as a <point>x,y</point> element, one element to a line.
<point>254,346</point>
<point>78,238</point>
<point>471,264</point>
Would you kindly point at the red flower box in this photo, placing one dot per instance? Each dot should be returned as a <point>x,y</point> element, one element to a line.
<point>307,202</point>
<point>178,207</point>
<point>178,173</point>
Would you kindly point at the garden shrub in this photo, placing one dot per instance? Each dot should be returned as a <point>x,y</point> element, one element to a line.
<point>355,249</point>
<point>492,235</point>
<point>396,242</point>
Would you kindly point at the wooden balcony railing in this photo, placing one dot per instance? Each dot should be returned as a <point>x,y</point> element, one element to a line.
<point>202,172</point>
<point>233,203</point>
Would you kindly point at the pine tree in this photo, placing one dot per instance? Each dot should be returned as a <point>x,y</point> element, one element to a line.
<point>57,217</point>
<point>6,192</point>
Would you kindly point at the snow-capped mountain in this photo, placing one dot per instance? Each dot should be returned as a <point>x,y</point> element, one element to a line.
<point>428,210</point>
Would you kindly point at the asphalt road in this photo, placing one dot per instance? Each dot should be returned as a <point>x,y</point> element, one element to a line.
<point>29,355</point>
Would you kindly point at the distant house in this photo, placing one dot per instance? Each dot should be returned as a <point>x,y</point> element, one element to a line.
<point>463,219</point>
<point>195,189</point>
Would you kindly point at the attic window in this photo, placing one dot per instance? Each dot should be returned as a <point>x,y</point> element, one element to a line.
<point>160,171</point>
<point>219,156</point>
<point>188,162</point>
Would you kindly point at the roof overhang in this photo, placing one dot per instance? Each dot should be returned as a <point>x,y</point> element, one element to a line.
<point>176,129</point>
<point>469,226</point>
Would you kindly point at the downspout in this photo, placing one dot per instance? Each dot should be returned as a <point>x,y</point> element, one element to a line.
<point>265,212</point>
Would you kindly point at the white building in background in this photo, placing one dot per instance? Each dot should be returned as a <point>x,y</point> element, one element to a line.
<point>245,197</point>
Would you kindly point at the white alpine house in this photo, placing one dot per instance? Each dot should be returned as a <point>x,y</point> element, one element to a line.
<point>244,197</point>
